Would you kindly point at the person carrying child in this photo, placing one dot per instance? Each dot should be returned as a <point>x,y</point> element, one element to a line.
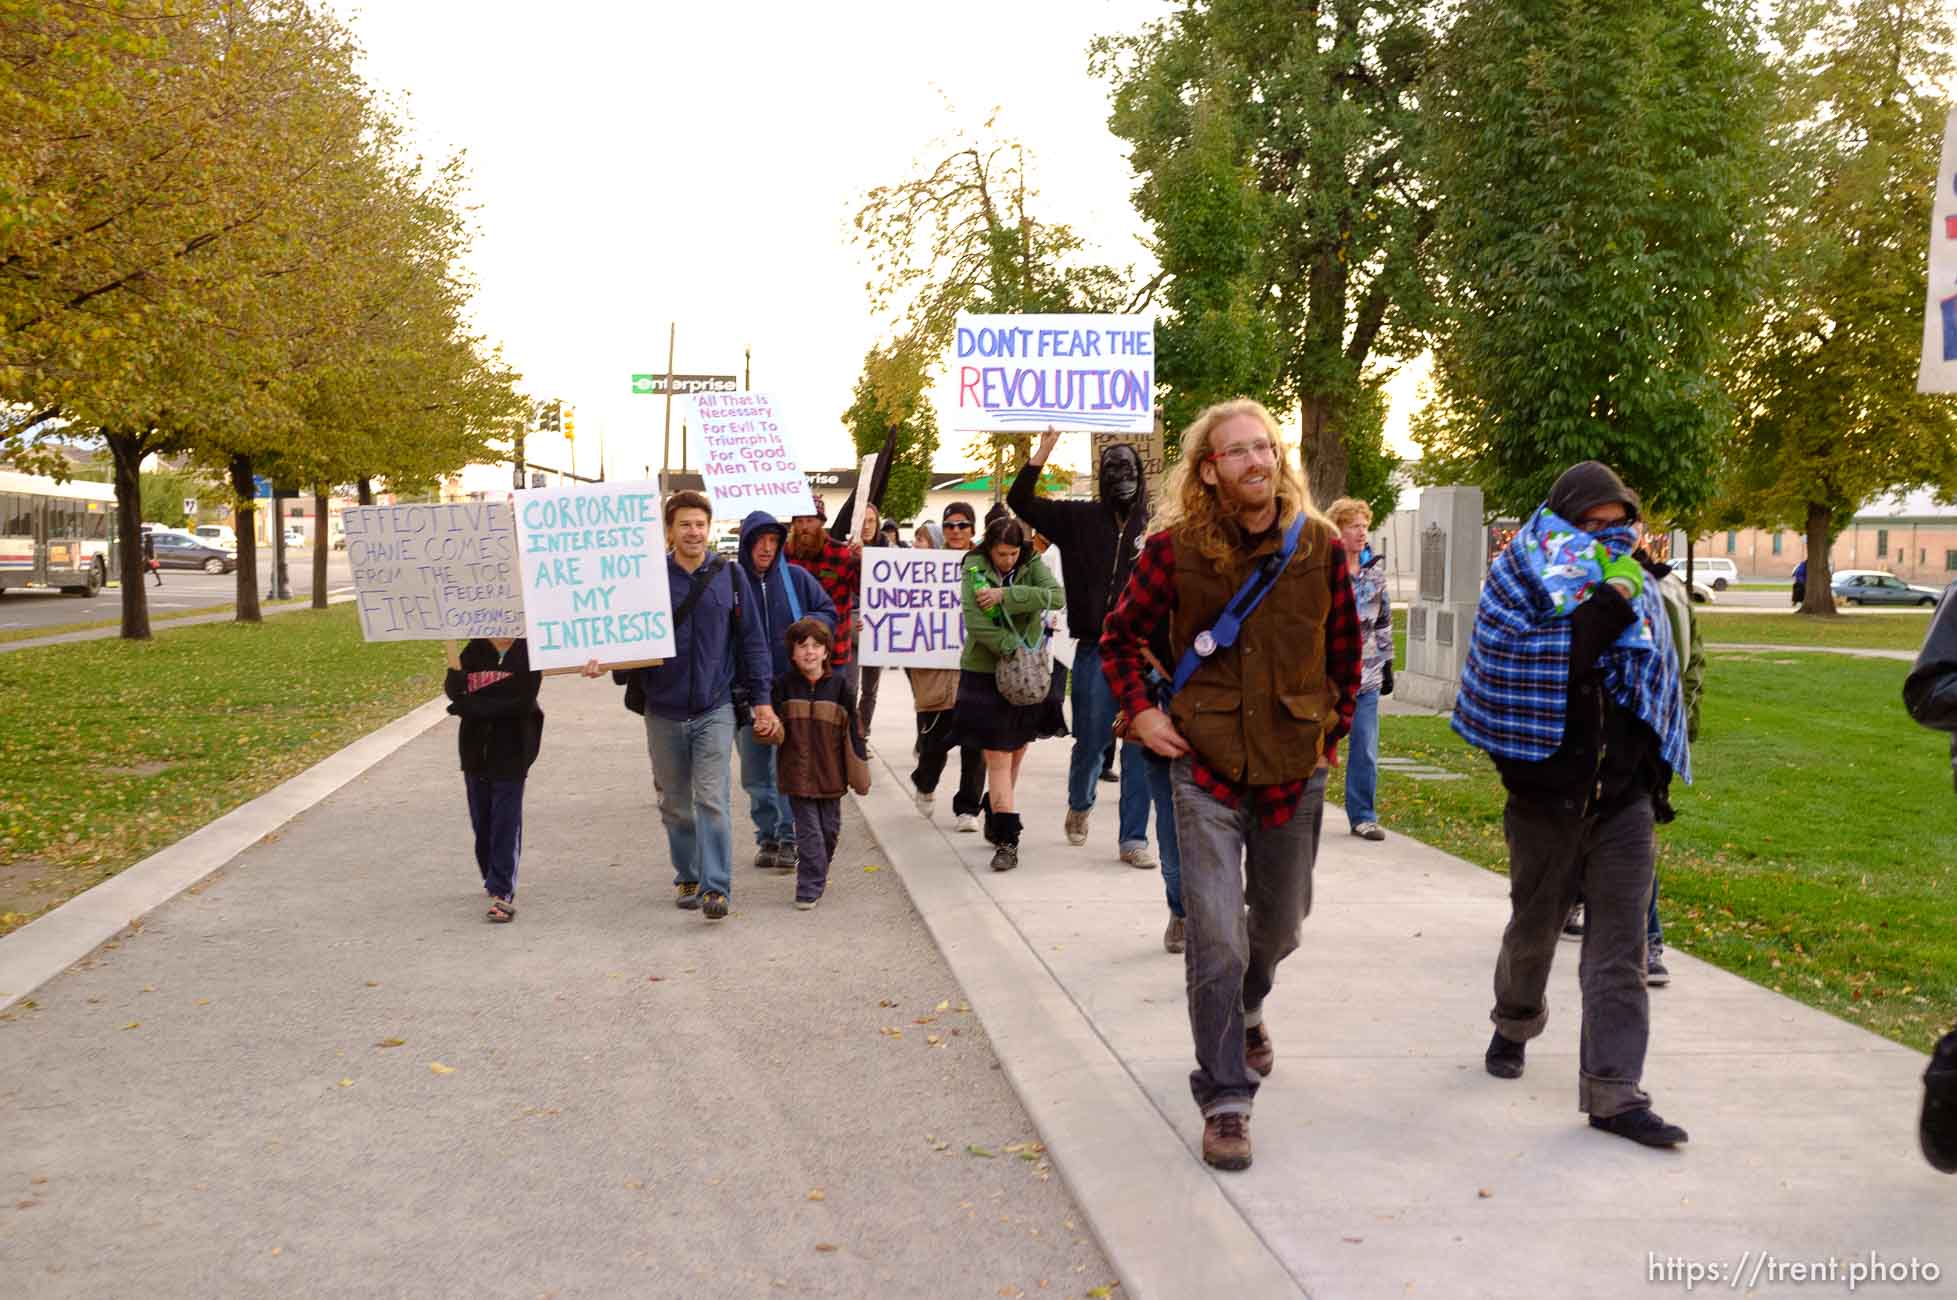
<point>494,692</point>
<point>822,752</point>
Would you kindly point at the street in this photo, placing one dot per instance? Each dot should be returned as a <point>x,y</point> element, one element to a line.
<point>182,589</point>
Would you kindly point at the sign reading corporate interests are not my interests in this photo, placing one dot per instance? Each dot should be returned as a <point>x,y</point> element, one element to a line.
<point>434,572</point>
<point>593,564</point>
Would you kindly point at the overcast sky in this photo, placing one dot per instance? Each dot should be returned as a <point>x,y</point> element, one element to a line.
<point>643,163</point>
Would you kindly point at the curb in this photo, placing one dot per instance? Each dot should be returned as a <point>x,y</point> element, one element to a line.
<point>1159,1216</point>
<point>43,948</point>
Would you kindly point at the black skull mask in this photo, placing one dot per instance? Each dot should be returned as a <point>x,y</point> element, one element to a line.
<point>1121,476</point>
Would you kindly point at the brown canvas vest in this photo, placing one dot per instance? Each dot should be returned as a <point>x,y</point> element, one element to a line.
<point>1257,713</point>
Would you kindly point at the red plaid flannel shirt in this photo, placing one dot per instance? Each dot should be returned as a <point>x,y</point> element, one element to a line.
<point>837,568</point>
<point>1146,605</point>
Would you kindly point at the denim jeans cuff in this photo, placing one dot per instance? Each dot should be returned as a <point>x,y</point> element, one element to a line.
<point>1227,1106</point>
<point>1607,1097</point>
<point>1128,845</point>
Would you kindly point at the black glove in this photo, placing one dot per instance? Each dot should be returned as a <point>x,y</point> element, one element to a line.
<point>1386,678</point>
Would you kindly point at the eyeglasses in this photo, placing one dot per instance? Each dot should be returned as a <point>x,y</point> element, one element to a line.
<point>1589,525</point>
<point>951,524</point>
<point>1259,448</point>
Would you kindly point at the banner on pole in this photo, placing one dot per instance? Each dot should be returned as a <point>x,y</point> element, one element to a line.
<point>744,456</point>
<point>1938,371</point>
<point>1019,373</point>
<point>593,565</point>
<point>434,572</point>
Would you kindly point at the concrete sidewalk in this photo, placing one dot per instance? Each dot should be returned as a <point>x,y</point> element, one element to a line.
<point>1388,1162</point>
<point>267,609</point>
<point>320,1072</point>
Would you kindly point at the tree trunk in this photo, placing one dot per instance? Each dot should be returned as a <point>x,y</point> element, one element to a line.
<point>366,490</point>
<point>127,451</point>
<point>1819,597</point>
<point>1321,450</point>
<point>319,547</point>
<point>247,527</point>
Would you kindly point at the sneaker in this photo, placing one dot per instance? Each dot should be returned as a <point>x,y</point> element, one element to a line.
<point>1369,831</point>
<point>785,857</point>
<point>1108,775</point>
<point>1641,1126</point>
<point>924,800</point>
<point>1504,1057</point>
<point>1936,1128</point>
<point>1175,938</point>
<point>1655,974</point>
<point>968,823</point>
<point>1259,1055</point>
<point>1076,827</point>
<point>1573,923</point>
<point>713,904</point>
<point>686,896</point>
<point>1140,856</point>
<point>1226,1140</point>
<point>764,856</point>
<point>805,904</point>
<point>1005,857</point>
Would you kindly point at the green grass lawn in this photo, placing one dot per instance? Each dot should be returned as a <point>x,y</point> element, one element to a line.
<point>1898,631</point>
<point>111,749</point>
<point>1817,854</point>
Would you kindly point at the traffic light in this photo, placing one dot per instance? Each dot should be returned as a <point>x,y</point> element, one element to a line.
<point>570,424</point>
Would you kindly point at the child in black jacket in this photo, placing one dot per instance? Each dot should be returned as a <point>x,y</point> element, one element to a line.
<point>495,694</point>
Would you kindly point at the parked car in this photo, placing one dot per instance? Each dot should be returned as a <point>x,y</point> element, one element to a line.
<point>295,535</point>
<point>1717,571</point>
<point>1860,587</point>
<point>181,551</point>
<point>218,535</point>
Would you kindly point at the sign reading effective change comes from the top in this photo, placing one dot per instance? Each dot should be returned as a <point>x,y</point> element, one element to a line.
<point>1072,372</point>
<point>434,572</point>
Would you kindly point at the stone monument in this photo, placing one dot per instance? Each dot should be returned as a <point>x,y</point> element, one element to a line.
<point>1453,557</point>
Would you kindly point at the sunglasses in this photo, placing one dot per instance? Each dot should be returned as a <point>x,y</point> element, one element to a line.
<point>950,524</point>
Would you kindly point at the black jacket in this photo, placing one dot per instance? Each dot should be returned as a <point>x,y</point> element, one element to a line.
<point>1608,756</point>
<point>1094,564</point>
<point>502,727</point>
<point>1930,690</point>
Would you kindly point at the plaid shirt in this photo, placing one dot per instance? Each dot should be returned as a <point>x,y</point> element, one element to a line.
<point>837,568</point>
<point>1146,606</point>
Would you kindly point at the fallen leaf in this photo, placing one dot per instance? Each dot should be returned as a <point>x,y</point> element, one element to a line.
<point>935,1040</point>
<point>972,1150</point>
<point>815,1194</point>
<point>278,1250</point>
<point>25,1205</point>
<point>825,1248</point>
<point>873,867</point>
<point>1009,1290</point>
<point>203,1002</point>
<point>391,1042</point>
<point>438,1068</point>
<point>1353,1240</point>
<point>132,1024</point>
<point>943,1006</point>
<point>1483,1192</point>
<point>634,1184</point>
<point>149,988</point>
<point>346,1083</point>
<point>925,1020</point>
<point>891,1031</point>
<point>373,984</point>
<point>38,1182</point>
<point>654,979</point>
<point>885,1002</point>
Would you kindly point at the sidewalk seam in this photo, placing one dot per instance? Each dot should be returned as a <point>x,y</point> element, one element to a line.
<point>50,944</point>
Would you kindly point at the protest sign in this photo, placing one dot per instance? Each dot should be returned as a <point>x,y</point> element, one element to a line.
<point>593,564</point>
<point>434,572</point>
<point>1017,373</point>
<point>1937,372</point>
<point>910,602</point>
<point>744,456</point>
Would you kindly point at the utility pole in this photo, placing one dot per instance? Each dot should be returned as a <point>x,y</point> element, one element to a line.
<point>747,369</point>
<point>672,332</point>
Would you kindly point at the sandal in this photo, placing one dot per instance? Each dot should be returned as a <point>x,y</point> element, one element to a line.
<point>502,910</point>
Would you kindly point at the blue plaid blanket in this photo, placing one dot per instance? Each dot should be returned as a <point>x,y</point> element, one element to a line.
<point>1516,682</point>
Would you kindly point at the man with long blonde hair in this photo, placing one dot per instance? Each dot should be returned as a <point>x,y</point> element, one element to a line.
<point>1241,591</point>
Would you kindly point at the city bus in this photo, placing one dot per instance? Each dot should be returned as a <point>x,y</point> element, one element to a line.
<point>56,534</point>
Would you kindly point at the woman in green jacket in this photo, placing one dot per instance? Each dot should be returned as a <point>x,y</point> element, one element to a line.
<point>1008,591</point>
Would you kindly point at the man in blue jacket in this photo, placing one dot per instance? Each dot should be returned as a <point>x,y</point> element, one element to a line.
<point>784,592</point>
<point>689,703</point>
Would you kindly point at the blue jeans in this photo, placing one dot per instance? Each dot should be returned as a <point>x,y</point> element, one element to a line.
<point>1362,760</point>
<point>774,820</point>
<point>1162,790</point>
<point>691,761</point>
<point>496,815</point>
<point>1094,710</point>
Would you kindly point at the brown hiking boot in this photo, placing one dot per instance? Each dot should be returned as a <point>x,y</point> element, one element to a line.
<point>1226,1140</point>
<point>1259,1055</point>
